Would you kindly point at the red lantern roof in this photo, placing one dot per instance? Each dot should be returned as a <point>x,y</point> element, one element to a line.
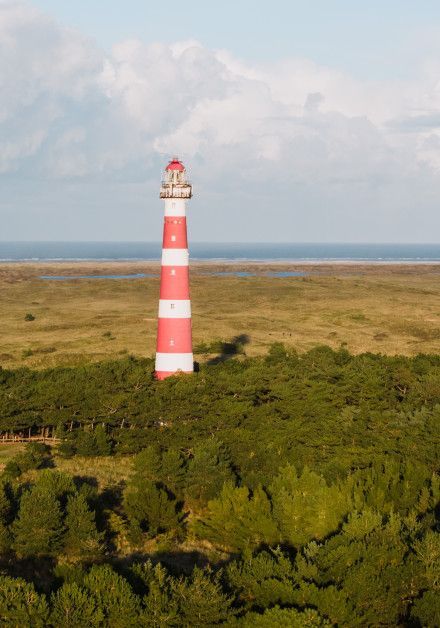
<point>175,164</point>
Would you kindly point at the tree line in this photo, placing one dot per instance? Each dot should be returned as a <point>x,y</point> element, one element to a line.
<point>287,490</point>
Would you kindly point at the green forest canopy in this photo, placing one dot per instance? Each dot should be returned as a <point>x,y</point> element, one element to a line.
<point>304,488</point>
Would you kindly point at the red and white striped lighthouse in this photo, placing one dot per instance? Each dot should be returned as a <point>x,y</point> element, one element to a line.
<point>174,338</point>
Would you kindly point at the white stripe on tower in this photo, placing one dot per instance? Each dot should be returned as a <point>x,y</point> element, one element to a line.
<point>175,207</point>
<point>174,337</point>
<point>174,308</point>
<point>172,362</point>
<point>175,257</point>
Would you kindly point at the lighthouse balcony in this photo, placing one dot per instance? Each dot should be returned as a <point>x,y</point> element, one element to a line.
<point>175,191</point>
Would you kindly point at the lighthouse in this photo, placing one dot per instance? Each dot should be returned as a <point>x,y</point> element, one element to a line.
<point>174,337</point>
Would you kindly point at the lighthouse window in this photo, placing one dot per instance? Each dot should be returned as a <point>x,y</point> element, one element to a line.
<point>171,342</point>
<point>174,205</point>
<point>173,271</point>
<point>173,238</point>
<point>172,306</point>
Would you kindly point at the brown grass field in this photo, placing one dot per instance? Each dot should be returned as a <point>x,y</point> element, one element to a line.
<point>380,308</point>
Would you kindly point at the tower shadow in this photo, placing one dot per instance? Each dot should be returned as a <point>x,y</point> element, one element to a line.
<point>229,350</point>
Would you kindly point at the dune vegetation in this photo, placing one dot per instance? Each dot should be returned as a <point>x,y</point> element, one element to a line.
<point>290,489</point>
<point>293,480</point>
<point>386,309</point>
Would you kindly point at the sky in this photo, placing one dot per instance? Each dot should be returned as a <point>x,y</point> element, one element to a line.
<point>298,121</point>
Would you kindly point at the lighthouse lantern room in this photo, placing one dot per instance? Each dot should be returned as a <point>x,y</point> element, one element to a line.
<point>174,337</point>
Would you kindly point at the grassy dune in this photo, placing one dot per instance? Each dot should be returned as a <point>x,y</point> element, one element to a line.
<point>389,309</point>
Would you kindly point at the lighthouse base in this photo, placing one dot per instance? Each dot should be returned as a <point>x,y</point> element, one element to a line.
<point>168,364</point>
<point>164,374</point>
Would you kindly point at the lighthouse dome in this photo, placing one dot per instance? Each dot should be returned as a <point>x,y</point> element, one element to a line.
<point>174,184</point>
<point>175,164</point>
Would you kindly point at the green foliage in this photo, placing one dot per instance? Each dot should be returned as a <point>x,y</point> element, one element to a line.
<point>113,597</point>
<point>363,575</point>
<point>393,485</point>
<point>328,455</point>
<point>102,441</point>
<point>35,456</point>
<point>305,507</point>
<point>6,501</point>
<point>29,317</point>
<point>66,449</point>
<point>57,484</point>
<point>427,551</point>
<point>5,539</point>
<point>92,442</point>
<point>426,610</point>
<point>20,604</point>
<point>82,541</point>
<point>282,617</point>
<point>201,601</point>
<point>74,607</point>
<point>149,508</point>
<point>38,528</point>
<point>160,608</point>
<point>263,580</point>
<point>209,468</point>
<point>238,519</point>
<point>165,467</point>
<point>6,515</point>
<point>277,353</point>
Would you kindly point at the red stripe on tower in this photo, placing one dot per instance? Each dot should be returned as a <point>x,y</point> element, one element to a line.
<point>174,338</point>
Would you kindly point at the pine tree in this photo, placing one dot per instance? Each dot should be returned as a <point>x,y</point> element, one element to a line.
<point>6,514</point>
<point>149,507</point>
<point>428,554</point>
<point>208,470</point>
<point>38,528</point>
<point>81,540</point>
<point>85,443</point>
<point>201,601</point>
<point>113,597</point>
<point>74,607</point>
<point>263,580</point>
<point>102,441</point>
<point>148,464</point>
<point>282,617</point>
<point>426,610</point>
<point>166,468</point>
<point>159,604</point>
<point>20,604</point>
<point>66,447</point>
<point>238,519</point>
<point>5,538</point>
<point>59,484</point>
<point>173,471</point>
<point>305,507</point>
<point>5,501</point>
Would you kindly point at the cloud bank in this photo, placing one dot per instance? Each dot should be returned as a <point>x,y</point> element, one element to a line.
<point>284,151</point>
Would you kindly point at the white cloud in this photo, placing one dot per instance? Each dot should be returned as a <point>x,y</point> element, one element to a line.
<point>69,110</point>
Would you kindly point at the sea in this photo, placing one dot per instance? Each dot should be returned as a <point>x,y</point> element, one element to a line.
<point>221,252</point>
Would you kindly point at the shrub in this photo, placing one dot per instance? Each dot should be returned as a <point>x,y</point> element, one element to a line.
<point>39,527</point>
<point>149,508</point>
<point>208,470</point>
<point>35,456</point>
<point>93,442</point>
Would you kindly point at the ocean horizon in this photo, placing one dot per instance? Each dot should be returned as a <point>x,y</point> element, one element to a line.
<point>221,251</point>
